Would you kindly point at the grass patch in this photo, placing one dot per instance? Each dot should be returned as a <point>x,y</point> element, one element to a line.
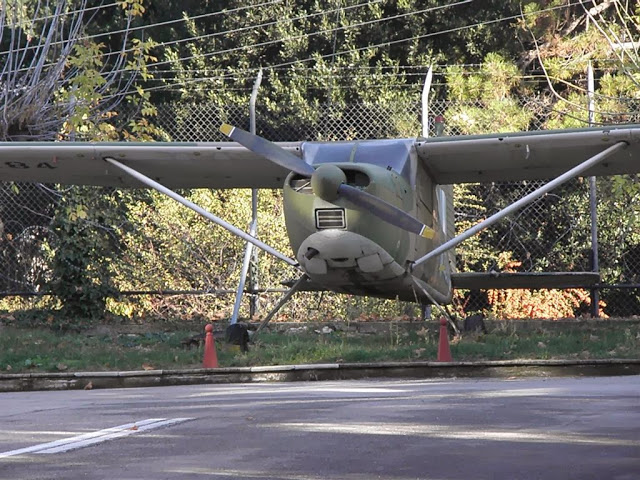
<point>42,350</point>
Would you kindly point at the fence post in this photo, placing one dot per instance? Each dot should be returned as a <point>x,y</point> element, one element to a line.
<point>250,254</point>
<point>425,102</point>
<point>593,202</point>
<point>253,267</point>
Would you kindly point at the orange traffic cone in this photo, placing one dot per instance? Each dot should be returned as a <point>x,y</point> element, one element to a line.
<point>210,355</point>
<point>444,352</point>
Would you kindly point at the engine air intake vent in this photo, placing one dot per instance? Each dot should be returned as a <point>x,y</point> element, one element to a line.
<point>330,218</point>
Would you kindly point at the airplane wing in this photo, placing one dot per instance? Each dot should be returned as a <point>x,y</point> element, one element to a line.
<point>175,165</point>
<point>455,159</point>
<point>527,155</point>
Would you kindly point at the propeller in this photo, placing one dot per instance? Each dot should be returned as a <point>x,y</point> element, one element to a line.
<point>267,149</point>
<point>328,181</point>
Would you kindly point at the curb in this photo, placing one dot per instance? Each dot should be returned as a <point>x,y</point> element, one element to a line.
<point>331,371</point>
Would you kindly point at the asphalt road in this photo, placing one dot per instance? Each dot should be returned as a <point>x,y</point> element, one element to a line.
<point>565,428</point>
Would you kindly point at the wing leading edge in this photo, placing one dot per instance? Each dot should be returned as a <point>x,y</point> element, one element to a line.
<point>527,155</point>
<point>175,165</point>
<point>456,159</point>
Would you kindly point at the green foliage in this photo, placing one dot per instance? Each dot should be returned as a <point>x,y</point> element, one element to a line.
<point>321,52</point>
<point>564,41</point>
<point>620,194</point>
<point>477,253</point>
<point>87,221</point>
<point>486,100</point>
<point>87,241</point>
<point>84,89</point>
<point>158,259</point>
<point>172,248</point>
<point>133,7</point>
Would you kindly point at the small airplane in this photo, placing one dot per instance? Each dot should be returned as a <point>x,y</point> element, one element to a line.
<point>370,217</point>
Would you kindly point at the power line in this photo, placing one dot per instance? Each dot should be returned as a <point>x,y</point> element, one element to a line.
<point>391,70</point>
<point>335,54</point>
<point>72,12</point>
<point>153,25</point>
<point>183,19</point>
<point>298,37</point>
<point>226,32</point>
<point>268,24</point>
<point>271,23</point>
<point>338,67</point>
<point>245,47</point>
<point>247,28</point>
<point>383,44</point>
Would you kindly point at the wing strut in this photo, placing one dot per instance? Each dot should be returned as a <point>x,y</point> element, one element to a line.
<point>574,172</point>
<point>294,288</point>
<point>236,231</point>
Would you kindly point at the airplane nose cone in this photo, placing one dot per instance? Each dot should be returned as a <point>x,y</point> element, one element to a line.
<point>326,180</point>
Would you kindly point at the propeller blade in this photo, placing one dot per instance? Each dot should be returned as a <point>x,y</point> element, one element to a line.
<point>384,210</point>
<point>267,149</point>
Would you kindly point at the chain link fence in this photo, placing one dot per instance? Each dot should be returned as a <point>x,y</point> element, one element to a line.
<point>551,234</point>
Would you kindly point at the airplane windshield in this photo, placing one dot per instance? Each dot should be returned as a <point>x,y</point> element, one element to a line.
<point>394,154</point>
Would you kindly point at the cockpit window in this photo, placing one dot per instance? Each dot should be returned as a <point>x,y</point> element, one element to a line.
<point>389,154</point>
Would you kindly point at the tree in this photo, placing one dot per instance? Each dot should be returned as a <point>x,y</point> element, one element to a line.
<point>54,76</point>
<point>60,82</point>
<point>602,35</point>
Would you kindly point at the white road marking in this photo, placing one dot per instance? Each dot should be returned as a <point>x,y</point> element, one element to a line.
<point>450,432</point>
<point>93,438</point>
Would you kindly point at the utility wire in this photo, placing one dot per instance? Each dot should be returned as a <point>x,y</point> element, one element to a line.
<point>268,24</point>
<point>223,33</point>
<point>282,65</point>
<point>184,19</point>
<point>245,47</point>
<point>153,25</point>
<point>248,28</point>
<point>249,71</point>
<point>308,35</point>
<point>279,22</point>
<point>424,68</point>
<point>72,12</point>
